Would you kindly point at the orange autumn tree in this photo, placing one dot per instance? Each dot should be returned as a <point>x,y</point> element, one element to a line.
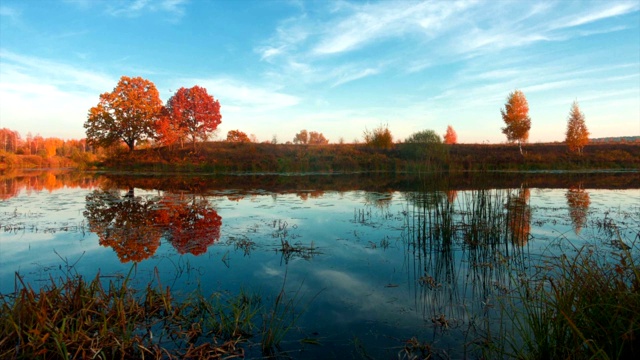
<point>192,112</point>
<point>301,138</point>
<point>128,114</point>
<point>577,133</point>
<point>317,138</point>
<point>237,136</point>
<point>516,117</point>
<point>450,137</point>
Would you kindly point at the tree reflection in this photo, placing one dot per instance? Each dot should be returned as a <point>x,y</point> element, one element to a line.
<point>519,217</point>
<point>578,201</point>
<point>133,225</point>
<point>191,226</point>
<point>452,195</point>
<point>124,222</point>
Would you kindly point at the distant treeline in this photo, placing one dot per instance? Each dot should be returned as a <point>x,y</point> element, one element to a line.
<point>616,139</point>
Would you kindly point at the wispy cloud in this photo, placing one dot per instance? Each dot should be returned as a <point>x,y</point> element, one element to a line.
<point>9,12</point>
<point>370,23</point>
<point>239,95</point>
<point>345,78</point>
<point>139,7</point>
<point>600,13</point>
<point>45,71</point>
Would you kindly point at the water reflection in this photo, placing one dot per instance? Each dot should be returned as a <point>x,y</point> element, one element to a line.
<point>464,250</point>
<point>134,225</point>
<point>397,259</point>
<point>191,225</point>
<point>519,216</point>
<point>578,201</point>
<point>124,222</point>
<point>13,182</point>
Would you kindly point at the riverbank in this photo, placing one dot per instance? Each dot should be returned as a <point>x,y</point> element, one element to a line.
<point>224,157</point>
<point>221,157</point>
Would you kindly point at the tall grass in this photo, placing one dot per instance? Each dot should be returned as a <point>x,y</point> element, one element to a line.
<point>74,318</point>
<point>585,307</point>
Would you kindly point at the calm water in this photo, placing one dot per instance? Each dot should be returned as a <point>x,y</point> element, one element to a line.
<point>376,260</point>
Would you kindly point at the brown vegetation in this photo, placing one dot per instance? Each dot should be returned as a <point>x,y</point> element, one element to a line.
<point>220,157</point>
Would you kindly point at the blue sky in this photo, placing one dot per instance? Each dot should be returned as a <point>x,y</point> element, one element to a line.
<point>337,67</point>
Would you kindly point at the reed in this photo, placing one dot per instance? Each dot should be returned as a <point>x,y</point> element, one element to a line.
<point>280,319</point>
<point>587,306</point>
<point>74,318</point>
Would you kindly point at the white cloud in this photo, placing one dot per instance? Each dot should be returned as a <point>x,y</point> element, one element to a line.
<point>9,12</point>
<point>51,72</point>
<point>41,95</point>
<point>241,96</point>
<point>369,23</point>
<point>345,78</point>
<point>139,7</point>
<point>596,14</point>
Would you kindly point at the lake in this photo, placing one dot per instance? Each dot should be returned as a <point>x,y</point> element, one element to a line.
<point>372,260</point>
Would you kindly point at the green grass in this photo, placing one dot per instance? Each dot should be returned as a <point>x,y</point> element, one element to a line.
<point>585,307</point>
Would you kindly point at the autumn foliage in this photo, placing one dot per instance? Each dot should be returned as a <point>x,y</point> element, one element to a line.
<point>128,114</point>
<point>516,117</point>
<point>134,225</point>
<point>450,137</point>
<point>577,133</point>
<point>301,138</point>
<point>237,136</point>
<point>190,113</point>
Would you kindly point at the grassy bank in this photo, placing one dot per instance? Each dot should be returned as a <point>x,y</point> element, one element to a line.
<point>221,157</point>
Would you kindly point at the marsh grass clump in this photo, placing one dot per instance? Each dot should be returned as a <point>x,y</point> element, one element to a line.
<point>73,318</point>
<point>587,307</point>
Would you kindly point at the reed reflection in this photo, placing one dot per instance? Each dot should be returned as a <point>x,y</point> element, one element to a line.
<point>134,225</point>
<point>578,201</point>
<point>464,249</point>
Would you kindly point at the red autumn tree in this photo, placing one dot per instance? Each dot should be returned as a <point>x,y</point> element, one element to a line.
<point>128,114</point>
<point>237,136</point>
<point>450,137</point>
<point>169,132</point>
<point>516,117</point>
<point>193,112</point>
